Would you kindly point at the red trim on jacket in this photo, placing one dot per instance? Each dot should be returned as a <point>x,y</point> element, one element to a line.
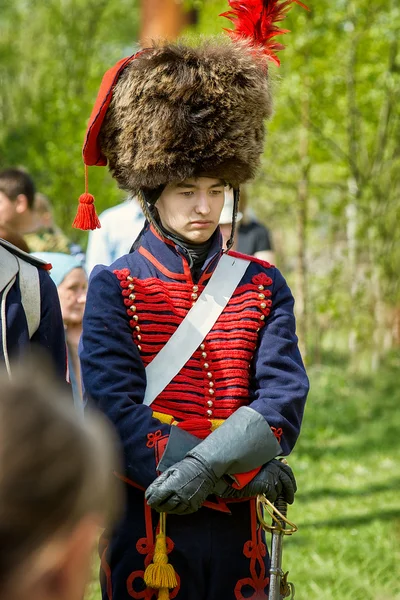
<point>160,266</point>
<point>264,263</point>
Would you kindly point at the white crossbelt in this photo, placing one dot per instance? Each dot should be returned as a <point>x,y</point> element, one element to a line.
<point>195,326</point>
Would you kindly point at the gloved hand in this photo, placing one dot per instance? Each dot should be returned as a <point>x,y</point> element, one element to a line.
<point>182,488</point>
<point>274,479</point>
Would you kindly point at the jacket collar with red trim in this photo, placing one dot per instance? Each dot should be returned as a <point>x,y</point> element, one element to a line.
<point>173,256</point>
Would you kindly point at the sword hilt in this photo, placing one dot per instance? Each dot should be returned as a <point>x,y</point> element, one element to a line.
<point>281,507</point>
<point>277,512</point>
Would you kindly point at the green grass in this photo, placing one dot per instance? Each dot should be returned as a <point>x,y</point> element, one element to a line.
<point>348,504</point>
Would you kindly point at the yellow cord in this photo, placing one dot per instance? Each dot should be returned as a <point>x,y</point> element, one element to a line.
<point>160,575</point>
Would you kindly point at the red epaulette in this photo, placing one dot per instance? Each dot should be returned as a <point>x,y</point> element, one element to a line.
<point>264,263</point>
<point>32,260</point>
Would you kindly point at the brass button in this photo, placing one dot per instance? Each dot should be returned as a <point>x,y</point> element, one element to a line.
<point>129,278</point>
<point>137,328</point>
<point>139,337</point>
<point>261,287</point>
<point>202,346</point>
<point>132,296</point>
<point>209,375</point>
<point>209,413</point>
<point>210,403</point>
<point>262,317</point>
<point>261,296</point>
<point>211,392</point>
<point>135,318</point>
<point>206,365</point>
<point>139,348</point>
<point>204,354</point>
<point>263,305</point>
<point>133,308</point>
<point>195,288</point>
<point>211,383</point>
<point>131,286</point>
<point>194,296</point>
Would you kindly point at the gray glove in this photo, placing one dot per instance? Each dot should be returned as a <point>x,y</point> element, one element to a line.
<point>274,479</point>
<point>183,488</point>
<point>243,442</point>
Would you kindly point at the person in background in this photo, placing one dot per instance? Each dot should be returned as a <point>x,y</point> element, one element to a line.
<point>56,489</point>
<point>253,237</point>
<point>30,309</point>
<point>71,280</point>
<point>120,226</point>
<point>45,235</point>
<point>11,236</point>
<point>17,194</point>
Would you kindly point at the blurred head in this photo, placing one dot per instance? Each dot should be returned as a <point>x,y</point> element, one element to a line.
<point>56,489</point>
<point>17,192</point>
<point>191,208</point>
<point>72,294</point>
<point>71,280</point>
<point>43,210</point>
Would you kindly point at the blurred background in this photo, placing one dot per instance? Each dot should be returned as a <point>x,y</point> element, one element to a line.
<point>329,193</point>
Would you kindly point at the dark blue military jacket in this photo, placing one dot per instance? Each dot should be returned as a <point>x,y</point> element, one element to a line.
<point>249,358</point>
<point>50,334</point>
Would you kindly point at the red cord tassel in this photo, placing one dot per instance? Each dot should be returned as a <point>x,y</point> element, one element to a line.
<point>86,216</point>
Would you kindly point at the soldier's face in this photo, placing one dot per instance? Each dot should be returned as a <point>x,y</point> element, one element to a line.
<point>191,208</point>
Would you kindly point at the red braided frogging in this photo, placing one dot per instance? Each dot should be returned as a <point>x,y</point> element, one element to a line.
<point>215,380</point>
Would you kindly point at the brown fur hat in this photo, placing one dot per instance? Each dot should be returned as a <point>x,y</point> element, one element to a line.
<point>179,111</point>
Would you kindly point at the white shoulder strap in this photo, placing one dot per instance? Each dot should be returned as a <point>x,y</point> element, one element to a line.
<point>8,274</point>
<point>8,267</point>
<point>195,326</point>
<point>30,294</point>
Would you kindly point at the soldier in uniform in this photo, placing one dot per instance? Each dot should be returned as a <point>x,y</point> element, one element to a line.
<point>203,382</point>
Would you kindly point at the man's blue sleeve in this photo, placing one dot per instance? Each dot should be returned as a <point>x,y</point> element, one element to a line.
<point>114,376</point>
<point>50,333</point>
<point>280,382</point>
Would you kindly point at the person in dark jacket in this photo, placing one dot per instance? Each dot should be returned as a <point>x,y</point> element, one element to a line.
<point>31,315</point>
<point>190,350</point>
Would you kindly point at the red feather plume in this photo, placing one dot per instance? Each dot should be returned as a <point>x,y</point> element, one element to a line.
<point>255,20</point>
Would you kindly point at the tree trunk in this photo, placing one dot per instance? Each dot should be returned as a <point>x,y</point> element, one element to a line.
<point>161,19</point>
<point>302,217</point>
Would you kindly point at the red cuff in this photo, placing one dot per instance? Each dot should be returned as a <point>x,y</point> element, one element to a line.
<point>243,479</point>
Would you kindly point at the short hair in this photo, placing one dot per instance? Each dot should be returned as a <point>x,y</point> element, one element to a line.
<point>14,182</point>
<point>56,468</point>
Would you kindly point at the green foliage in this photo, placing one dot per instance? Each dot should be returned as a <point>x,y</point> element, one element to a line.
<point>347,468</point>
<point>52,58</point>
<point>336,126</point>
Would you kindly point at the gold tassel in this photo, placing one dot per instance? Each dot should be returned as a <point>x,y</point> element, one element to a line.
<point>160,575</point>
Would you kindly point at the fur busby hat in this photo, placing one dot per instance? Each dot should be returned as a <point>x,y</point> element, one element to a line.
<point>175,111</point>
